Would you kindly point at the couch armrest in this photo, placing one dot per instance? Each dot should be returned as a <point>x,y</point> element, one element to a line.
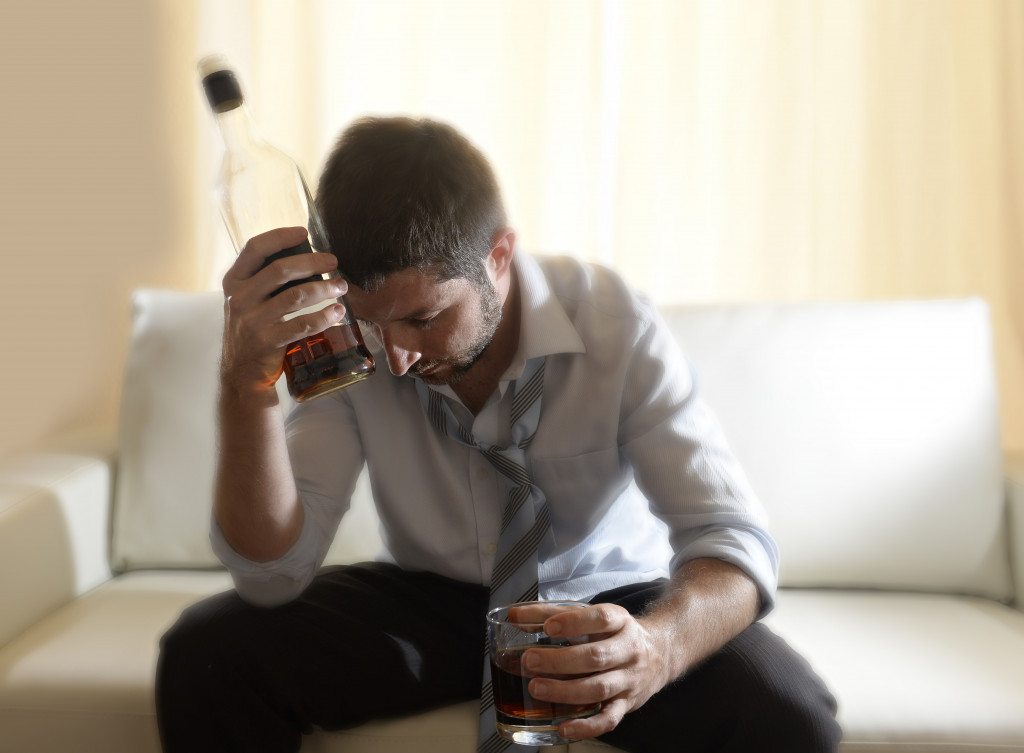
<point>54,523</point>
<point>1015,519</point>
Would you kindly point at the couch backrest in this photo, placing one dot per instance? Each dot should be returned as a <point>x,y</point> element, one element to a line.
<point>871,433</point>
<point>869,430</point>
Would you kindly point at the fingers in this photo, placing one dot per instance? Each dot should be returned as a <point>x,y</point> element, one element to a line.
<point>303,296</point>
<point>615,690</point>
<point>248,271</point>
<point>305,325</point>
<point>255,330</point>
<point>530,617</point>
<point>592,688</point>
<point>259,247</point>
<point>534,613</point>
<point>597,619</point>
<point>604,721</point>
<point>613,663</point>
<point>596,633</point>
<point>581,659</point>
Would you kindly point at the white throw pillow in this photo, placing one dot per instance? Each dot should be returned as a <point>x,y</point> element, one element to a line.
<point>167,440</point>
<point>167,432</point>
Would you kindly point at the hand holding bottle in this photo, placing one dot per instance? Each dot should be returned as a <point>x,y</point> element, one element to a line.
<point>259,304</point>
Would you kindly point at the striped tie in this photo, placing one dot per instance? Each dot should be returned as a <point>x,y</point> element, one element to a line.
<point>524,519</point>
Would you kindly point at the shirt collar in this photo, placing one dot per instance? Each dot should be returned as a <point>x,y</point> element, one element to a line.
<point>544,328</point>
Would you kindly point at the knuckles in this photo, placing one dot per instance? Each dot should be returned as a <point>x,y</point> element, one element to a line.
<point>607,614</point>
<point>599,655</point>
<point>304,328</point>
<point>603,687</point>
<point>297,298</point>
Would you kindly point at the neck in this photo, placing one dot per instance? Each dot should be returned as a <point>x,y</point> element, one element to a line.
<point>481,381</point>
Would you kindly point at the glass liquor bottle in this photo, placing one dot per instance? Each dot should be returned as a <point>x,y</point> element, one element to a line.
<point>260,188</point>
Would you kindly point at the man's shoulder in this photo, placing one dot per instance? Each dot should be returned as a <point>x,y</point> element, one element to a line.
<point>587,289</point>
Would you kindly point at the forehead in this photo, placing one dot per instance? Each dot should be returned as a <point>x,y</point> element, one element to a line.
<point>406,293</point>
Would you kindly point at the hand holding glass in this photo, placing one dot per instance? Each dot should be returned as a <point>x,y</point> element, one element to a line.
<point>511,630</point>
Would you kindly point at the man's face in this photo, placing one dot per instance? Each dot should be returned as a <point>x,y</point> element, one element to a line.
<point>434,331</point>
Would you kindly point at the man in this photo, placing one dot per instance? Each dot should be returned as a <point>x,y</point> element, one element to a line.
<point>643,511</point>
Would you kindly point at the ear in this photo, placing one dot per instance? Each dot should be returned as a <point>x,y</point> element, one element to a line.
<point>499,260</point>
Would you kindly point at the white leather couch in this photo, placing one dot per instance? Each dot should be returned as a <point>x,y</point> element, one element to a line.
<point>869,429</point>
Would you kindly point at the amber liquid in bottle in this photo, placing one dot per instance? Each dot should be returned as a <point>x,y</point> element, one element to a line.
<point>328,361</point>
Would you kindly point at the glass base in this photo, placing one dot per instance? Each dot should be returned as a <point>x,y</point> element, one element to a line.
<point>532,735</point>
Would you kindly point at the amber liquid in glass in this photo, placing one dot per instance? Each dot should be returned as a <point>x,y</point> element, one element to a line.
<point>513,702</point>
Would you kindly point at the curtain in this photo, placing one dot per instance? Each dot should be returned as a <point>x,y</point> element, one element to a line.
<point>710,150</point>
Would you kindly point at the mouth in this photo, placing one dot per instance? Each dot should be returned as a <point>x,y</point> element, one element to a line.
<point>428,370</point>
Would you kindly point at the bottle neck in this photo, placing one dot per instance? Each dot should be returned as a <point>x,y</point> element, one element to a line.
<point>236,128</point>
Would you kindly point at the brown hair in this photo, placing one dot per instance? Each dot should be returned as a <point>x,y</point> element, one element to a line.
<point>397,193</point>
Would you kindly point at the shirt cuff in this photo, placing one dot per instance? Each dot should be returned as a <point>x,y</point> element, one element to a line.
<point>755,555</point>
<point>272,583</point>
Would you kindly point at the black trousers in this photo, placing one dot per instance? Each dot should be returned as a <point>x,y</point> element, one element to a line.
<point>372,641</point>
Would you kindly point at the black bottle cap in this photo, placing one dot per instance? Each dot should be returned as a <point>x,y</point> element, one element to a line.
<point>222,89</point>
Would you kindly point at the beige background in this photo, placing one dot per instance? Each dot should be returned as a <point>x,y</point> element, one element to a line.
<point>728,151</point>
<point>94,194</point>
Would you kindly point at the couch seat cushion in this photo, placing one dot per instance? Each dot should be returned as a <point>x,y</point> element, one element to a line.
<point>913,672</point>
<point>81,679</point>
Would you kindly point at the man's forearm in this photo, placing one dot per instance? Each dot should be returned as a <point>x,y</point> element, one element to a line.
<point>256,503</point>
<point>707,603</point>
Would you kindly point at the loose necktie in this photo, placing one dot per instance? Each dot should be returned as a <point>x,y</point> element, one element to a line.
<point>524,518</point>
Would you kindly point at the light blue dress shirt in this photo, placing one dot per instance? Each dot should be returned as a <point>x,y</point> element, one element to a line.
<point>637,475</point>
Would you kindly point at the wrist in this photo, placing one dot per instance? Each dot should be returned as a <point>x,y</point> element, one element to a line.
<point>669,642</point>
<point>707,604</point>
<point>246,392</point>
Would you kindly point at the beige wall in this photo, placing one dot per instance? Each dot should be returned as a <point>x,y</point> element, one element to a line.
<point>94,200</point>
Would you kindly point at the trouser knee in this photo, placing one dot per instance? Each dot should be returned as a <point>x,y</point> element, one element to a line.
<point>804,722</point>
<point>780,702</point>
<point>196,671</point>
<point>756,694</point>
<point>200,636</point>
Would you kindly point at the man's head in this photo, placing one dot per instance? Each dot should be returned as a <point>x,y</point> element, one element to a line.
<point>398,193</point>
<point>413,213</point>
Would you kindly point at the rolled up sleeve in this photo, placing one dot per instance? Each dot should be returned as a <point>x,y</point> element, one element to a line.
<point>683,465</point>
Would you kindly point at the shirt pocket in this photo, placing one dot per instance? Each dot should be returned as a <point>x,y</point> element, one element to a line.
<point>580,490</point>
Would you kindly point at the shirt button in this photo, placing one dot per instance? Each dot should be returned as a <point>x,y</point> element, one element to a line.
<point>491,548</point>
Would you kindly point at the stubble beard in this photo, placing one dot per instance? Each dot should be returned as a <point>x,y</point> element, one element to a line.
<point>459,365</point>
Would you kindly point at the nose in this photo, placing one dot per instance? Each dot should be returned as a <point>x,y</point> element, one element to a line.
<point>401,356</point>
